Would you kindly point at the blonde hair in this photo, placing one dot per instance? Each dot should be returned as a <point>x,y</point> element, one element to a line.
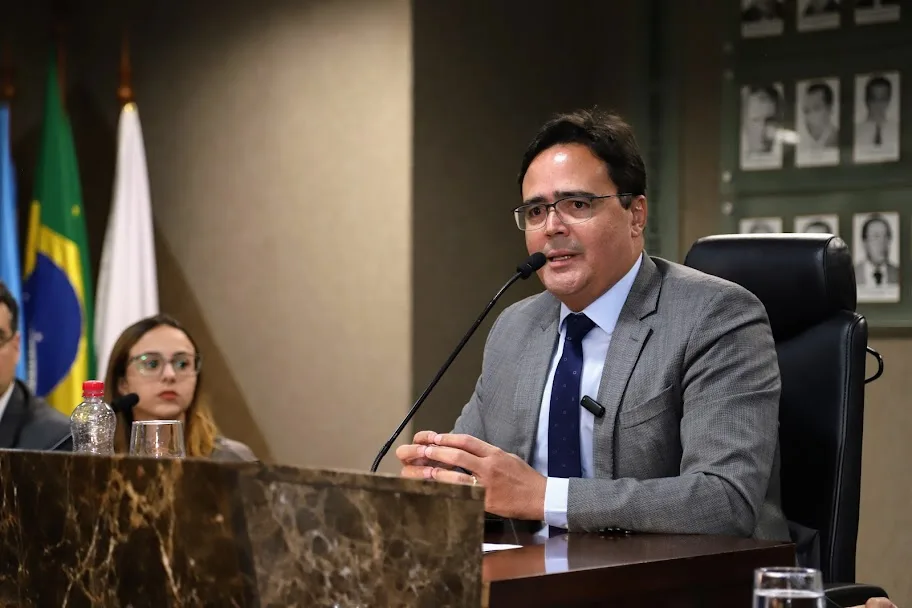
<point>200,429</point>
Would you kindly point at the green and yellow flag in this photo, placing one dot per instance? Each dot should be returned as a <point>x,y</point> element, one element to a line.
<point>58,284</point>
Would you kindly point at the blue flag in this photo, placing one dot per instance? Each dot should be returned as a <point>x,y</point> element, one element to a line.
<point>10,267</point>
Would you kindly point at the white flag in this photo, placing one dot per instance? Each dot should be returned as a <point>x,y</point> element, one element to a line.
<point>127,281</point>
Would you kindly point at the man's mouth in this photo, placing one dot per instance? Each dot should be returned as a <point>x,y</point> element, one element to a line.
<point>561,256</point>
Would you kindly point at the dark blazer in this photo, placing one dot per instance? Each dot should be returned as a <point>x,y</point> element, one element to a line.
<point>29,423</point>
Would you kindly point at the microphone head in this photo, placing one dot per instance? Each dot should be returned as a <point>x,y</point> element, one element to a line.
<point>125,403</point>
<point>531,265</point>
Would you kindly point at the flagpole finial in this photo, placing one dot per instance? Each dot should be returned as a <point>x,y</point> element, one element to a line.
<point>7,85</point>
<point>125,88</point>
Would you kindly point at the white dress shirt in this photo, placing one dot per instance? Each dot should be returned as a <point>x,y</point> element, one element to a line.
<point>604,312</point>
<point>5,397</point>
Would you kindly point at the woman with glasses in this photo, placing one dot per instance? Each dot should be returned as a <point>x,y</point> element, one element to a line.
<point>157,359</point>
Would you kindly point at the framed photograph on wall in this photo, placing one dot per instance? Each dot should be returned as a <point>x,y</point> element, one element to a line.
<point>761,123</point>
<point>876,11</point>
<point>761,18</point>
<point>877,117</point>
<point>816,15</point>
<point>760,225</point>
<point>875,238</point>
<point>817,122</point>
<point>827,223</point>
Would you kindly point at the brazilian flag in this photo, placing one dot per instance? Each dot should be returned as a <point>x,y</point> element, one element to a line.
<point>58,290</point>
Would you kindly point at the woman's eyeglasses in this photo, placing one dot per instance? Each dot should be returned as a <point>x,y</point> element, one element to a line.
<point>153,364</point>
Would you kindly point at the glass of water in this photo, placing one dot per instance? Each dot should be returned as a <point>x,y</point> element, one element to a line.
<point>788,588</point>
<point>157,439</point>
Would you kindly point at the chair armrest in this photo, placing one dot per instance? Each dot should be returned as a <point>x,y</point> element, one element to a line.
<point>852,594</point>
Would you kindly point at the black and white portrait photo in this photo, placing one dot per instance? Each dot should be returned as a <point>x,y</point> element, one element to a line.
<point>876,11</point>
<point>817,15</point>
<point>761,122</point>
<point>760,18</point>
<point>875,239</point>
<point>827,223</point>
<point>876,118</point>
<point>817,121</point>
<point>760,225</point>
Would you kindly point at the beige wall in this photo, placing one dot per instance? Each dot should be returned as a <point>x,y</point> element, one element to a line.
<point>278,138</point>
<point>884,554</point>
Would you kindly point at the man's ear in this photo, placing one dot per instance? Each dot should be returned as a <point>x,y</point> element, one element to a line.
<point>639,210</point>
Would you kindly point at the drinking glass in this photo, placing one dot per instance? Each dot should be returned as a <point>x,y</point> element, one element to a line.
<point>788,588</point>
<point>157,439</point>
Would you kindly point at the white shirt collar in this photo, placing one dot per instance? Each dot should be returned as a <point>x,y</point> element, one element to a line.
<point>607,307</point>
<point>5,397</point>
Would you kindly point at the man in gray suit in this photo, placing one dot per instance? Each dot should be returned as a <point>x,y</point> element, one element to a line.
<point>26,422</point>
<point>683,364</point>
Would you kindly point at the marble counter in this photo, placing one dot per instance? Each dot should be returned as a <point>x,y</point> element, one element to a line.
<point>81,530</point>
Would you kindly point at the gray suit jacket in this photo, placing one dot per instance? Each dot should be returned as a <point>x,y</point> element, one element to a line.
<point>29,423</point>
<point>689,440</point>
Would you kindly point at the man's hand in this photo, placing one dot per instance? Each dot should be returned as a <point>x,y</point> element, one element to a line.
<point>512,488</point>
<point>412,456</point>
<point>878,602</point>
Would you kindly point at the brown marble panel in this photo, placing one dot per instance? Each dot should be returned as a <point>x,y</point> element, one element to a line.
<point>87,531</point>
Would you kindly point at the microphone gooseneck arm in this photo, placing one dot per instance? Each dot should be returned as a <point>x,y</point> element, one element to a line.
<point>524,271</point>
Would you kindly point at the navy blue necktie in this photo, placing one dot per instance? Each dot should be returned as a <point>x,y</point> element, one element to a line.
<point>564,417</point>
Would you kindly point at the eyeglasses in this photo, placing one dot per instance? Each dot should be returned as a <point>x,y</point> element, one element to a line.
<point>153,364</point>
<point>571,210</point>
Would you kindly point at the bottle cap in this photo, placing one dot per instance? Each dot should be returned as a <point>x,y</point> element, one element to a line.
<point>92,388</point>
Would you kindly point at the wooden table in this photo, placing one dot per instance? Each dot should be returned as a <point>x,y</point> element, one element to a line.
<point>636,570</point>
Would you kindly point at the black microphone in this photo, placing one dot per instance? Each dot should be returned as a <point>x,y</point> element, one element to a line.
<point>523,271</point>
<point>594,407</point>
<point>125,403</point>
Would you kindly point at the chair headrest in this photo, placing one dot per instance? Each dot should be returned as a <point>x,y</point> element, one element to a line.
<point>801,279</point>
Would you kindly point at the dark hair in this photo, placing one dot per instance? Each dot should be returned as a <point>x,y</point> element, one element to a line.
<point>872,219</point>
<point>7,298</point>
<point>877,81</point>
<point>825,90</point>
<point>199,430</point>
<point>606,134</point>
<point>818,224</point>
<point>771,92</point>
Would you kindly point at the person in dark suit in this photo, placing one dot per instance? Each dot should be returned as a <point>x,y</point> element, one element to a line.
<point>26,421</point>
<point>876,269</point>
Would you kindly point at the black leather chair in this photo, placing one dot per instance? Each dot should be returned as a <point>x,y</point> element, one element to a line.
<point>807,284</point>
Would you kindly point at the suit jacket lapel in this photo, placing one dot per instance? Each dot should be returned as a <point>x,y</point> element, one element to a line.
<point>627,342</point>
<point>13,418</point>
<point>533,371</point>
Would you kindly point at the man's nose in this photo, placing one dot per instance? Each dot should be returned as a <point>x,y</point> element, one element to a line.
<point>553,222</point>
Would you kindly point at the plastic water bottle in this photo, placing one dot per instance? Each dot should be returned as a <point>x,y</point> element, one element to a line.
<point>93,422</point>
